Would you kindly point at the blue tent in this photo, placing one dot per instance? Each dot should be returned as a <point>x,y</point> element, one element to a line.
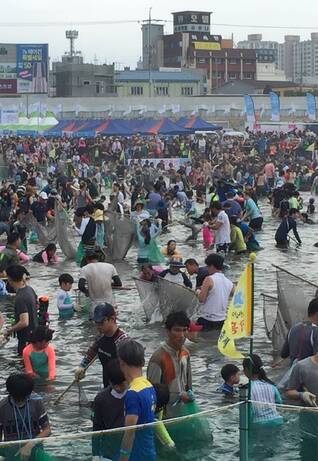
<point>89,129</point>
<point>164,126</point>
<point>58,129</point>
<point>198,124</point>
<point>116,127</point>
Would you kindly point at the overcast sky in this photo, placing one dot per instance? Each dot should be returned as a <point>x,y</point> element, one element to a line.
<point>121,43</point>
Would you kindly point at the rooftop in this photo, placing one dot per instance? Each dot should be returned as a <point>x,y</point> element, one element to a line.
<point>143,76</point>
<point>192,12</point>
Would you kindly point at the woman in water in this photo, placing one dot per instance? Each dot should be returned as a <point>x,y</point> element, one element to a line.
<point>170,250</point>
<point>47,256</point>
<point>148,251</point>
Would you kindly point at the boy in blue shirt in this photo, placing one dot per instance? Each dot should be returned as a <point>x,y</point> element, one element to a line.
<point>140,404</point>
<point>231,375</point>
<point>65,303</point>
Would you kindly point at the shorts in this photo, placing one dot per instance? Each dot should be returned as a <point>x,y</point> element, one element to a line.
<point>209,325</point>
<point>256,224</point>
<point>222,247</point>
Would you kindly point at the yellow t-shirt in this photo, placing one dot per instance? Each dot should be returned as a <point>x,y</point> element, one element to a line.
<point>237,240</point>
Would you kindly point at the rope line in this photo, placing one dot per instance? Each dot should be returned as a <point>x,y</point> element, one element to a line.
<point>84,435</point>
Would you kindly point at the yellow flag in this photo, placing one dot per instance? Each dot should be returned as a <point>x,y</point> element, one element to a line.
<point>311,148</point>
<point>238,322</point>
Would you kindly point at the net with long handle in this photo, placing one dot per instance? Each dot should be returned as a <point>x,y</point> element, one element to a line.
<point>119,235</point>
<point>46,234</point>
<point>174,297</point>
<point>294,294</point>
<point>149,296</point>
<point>275,326</point>
<point>64,237</point>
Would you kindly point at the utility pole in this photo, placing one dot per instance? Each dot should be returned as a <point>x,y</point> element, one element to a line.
<point>149,55</point>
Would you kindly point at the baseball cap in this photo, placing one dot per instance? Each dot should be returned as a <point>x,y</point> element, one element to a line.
<point>175,262</point>
<point>103,311</point>
<point>43,195</point>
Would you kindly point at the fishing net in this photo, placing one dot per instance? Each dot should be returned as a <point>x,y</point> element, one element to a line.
<point>275,327</point>
<point>149,296</point>
<point>79,253</point>
<point>64,237</point>
<point>83,400</point>
<point>45,234</point>
<point>37,454</point>
<point>294,295</point>
<point>174,297</point>
<point>119,235</point>
<point>197,429</point>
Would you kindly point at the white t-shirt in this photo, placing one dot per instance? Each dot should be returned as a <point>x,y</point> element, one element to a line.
<point>175,278</point>
<point>120,197</point>
<point>214,308</point>
<point>99,281</point>
<point>223,234</point>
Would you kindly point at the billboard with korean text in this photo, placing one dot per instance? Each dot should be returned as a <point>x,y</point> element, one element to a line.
<point>23,68</point>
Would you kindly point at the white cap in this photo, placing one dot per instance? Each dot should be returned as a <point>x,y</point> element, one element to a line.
<point>43,195</point>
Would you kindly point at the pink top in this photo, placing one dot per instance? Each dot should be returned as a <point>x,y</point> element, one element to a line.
<point>22,256</point>
<point>269,170</point>
<point>45,258</point>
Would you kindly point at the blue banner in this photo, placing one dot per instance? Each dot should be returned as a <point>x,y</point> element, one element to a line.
<point>275,106</point>
<point>249,108</point>
<point>311,106</point>
<point>32,68</point>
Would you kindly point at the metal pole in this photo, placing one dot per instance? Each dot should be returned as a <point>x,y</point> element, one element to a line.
<point>211,84</point>
<point>244,424</point>
<point>149,56</point>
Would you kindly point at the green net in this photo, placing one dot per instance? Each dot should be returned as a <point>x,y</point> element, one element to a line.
<point>195,437</point>
<point>212,435</point>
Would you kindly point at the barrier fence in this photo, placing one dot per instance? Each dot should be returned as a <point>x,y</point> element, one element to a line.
<point>223,433</point>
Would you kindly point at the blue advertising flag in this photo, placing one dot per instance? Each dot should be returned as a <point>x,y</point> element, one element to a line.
<point>275,106</point>
<point>311,106</point>
<point>249,108</point>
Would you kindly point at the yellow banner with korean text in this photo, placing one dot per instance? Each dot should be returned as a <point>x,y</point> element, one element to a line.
<point>209,46</point>
<point>238,322</point>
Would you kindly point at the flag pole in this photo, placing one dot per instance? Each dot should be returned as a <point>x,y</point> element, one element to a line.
<point>245,454</point>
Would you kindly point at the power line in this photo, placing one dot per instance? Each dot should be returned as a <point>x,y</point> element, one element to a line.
<point>139,21</point>
<point>75,23</point>
<point>258,26</point>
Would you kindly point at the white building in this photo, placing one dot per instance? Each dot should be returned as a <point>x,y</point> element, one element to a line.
<point>266,71</point>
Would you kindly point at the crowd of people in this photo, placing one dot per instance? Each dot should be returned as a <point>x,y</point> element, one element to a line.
<point>212,185</point>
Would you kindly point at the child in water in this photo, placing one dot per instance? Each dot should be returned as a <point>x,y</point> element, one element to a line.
<point>39,355</point>
<point>65,303</point>
<point>263,390</point>
<point>48,256</point>
<point>231,375</point>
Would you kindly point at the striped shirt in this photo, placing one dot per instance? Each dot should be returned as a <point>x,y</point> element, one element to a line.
<point>261,391</point>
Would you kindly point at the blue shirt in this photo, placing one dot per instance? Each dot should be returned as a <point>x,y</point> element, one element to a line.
<point>252,209</point>
<point>227,389</point>
<point>234,210</point>
<point>140,400</point>
<point>153,200</point>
